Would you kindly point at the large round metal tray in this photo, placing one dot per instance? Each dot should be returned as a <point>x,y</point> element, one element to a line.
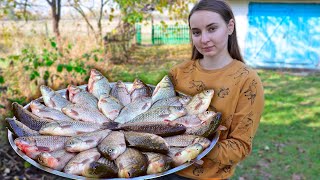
<point>70,176</point>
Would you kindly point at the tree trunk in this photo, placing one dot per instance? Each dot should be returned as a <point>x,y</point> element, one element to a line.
<point>56,14</point>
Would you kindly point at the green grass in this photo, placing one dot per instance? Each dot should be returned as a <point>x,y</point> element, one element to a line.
<point>286,145</point>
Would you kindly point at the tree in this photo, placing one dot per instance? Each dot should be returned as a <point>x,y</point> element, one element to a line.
<point>87,10</point>
<point>56,15</point>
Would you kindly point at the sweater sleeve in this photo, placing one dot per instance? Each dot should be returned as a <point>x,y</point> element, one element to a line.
<point>244,124</point>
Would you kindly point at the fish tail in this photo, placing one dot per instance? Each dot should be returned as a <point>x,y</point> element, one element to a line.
<point>111,125</point>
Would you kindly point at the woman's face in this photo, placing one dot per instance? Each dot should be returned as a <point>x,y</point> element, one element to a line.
<point>210,32</point>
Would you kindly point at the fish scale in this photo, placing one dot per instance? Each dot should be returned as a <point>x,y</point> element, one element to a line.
<point>98,84</point>
<point>79,96</point>
<point>46,112</point>
<point>200,102</point>
<point>160,114</point>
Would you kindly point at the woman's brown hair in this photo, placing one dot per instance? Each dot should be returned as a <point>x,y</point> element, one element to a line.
<point>222,8</point>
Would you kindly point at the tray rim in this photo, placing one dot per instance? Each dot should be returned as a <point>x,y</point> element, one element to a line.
<point>71,176</point>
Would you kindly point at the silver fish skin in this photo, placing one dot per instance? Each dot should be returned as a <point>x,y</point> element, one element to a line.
<point>98,84</point>
<point>28,118</point>
<point>139,89</point>
<point>19,129</point>
<point>81,112</point>
<point>56,160</point>
<point>162,113</point>
<point>160,128</point>
<point>69,128</point>
<point>80,96</point>
<point>32,146</point>
<point>113,145</point>
<point>78,163</point>
<point>194,120</point>
<point>131,163</point>
<point>173,101</point>
<point>47,112</point>
<point>184,100</point>
<point>200,102</point>
<point>146,141</point>
<point>109,106</point>
<point>185,140</point>
<point>53,99</point>
<point>187,154</point>
<point>163,90</point>
<point>133,109</point>
<point>206,128</point>
<point>157,163</point>
<point>121,92</point>
<point>102,168</point>
<point>86,141</point>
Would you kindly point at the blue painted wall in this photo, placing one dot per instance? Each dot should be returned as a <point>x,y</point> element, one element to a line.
<point>283,35</point>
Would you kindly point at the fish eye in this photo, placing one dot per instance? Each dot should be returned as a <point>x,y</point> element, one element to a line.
<point>110,150</point>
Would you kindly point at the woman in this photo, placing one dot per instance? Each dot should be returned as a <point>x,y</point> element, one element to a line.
<point>216,63</point>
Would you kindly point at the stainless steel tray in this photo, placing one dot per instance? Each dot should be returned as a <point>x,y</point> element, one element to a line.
<point>70,176</point>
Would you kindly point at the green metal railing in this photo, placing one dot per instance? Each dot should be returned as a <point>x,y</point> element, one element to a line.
<point>171,34</point>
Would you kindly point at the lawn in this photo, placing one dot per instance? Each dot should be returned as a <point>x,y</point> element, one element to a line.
<point>286,145</point>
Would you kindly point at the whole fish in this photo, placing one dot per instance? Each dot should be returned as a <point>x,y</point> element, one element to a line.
<point>200,102</point>
<point>86,141</point>
<point>53,99</point>
<point>121,92</point>
<point>78,163</point>
<point>133,109</point>
<point>165,113</point>
<point>98,84</point>
<point>109,106</point>
<point>28,118</point>
<point>55,160</point>
<point>163,90</point>
<point>68,128</point>
<point>194,120</point>
<point>185,140</point>
<point>47,112</point>
<point>102,168</point>
<point>146,141</point>
<point>157,163</point>
<point>139,89</point>
<point>32,146</point>
<point>207,127</point>
<point>159,128</point>
<point>187,154</point>
<point>131,163</point>
<point>20,129</point>
<point>81,112</point>
<point>80,96</point>
<point>113,145</point>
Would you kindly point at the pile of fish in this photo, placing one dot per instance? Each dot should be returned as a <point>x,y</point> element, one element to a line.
<point>109,130</point>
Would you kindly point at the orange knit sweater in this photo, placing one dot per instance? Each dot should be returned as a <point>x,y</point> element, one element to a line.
<point>239,97</point>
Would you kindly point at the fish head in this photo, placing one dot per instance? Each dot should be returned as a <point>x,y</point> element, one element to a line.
<point>202,141</point>
<point>176,112</point>
<point>187,154</point>
<point>115,151</point>
<point>137,84</point>
<point>165,82</point>
<point>158,166</point>
<point>207,94</point>
<point>184,100</point>
<point>47,159</point>
<point>27,146</point>
<point>120,84</point>
<point>132,170</point>
<point>95,75</point>
<point>75,144</point>
<point>36,105</point>
<point>47,93</point>
<point>73,90</point>
<point>206,115</point>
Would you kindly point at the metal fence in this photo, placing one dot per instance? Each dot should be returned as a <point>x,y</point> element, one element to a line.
<point>171,34</point>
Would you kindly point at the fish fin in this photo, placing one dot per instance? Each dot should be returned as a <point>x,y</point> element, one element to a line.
<point>66,126</point>
<point>52,102</point>
<point>75,113</point>
<point>146,105</point>
<point>156,90</point>
<point>111,125</point>
<point>43,148</point>
<point>164,116</point>
<point>89,141</point>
